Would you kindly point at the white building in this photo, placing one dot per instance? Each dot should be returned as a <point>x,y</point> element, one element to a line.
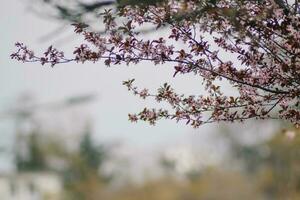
<point>30,186</point>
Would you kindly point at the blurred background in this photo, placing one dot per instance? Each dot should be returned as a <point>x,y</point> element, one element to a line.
<point>64,132</point>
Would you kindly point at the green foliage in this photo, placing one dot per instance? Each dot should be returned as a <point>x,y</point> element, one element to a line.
<point>281,172</point>
<point>91,154</point>
<point>35,159</point>
<point>274,165</point>
<point>82,178</point>
<point>271,172</point>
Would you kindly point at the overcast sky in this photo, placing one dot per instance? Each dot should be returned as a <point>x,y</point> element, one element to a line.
<point>108,114</point>
<point>114,102</point>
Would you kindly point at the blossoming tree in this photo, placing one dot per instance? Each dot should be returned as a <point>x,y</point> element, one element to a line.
<point>262,39</point>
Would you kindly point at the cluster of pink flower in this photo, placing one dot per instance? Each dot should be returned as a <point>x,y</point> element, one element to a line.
<point>51,55</point>
<point>263,40</point>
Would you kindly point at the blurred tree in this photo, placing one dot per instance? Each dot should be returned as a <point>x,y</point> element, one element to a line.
<point>280,172</point>
<point>33,159</point>
<point>83,178</point>
<point>92,155</point>
<point>274,164</point>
